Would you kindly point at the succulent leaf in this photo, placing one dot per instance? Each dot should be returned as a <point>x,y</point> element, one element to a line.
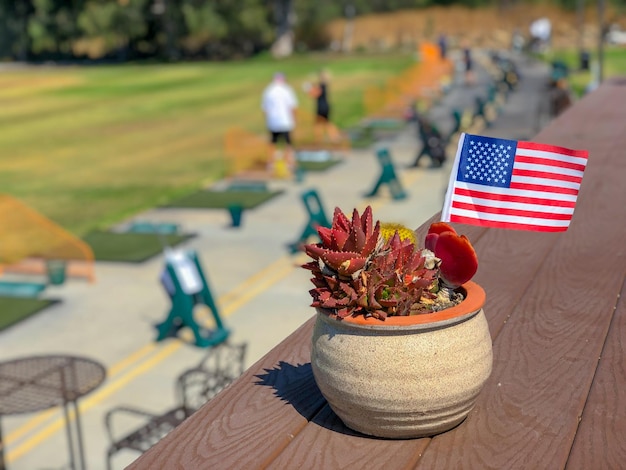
<point>435,229</point>
<point>325,235</point>
<point>340,220</point>
<point>339,239</point>
<point>430,242</point>
<point>440,227</point>
<point>315,251</point>
<point>371,241</point>
<point>459,262</point>
<point>366,220</point>
<point>356,218</point>
<point>335,259</point>
<point>349,267</point>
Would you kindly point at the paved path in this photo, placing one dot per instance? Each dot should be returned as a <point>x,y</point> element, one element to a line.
<point>262,292</point>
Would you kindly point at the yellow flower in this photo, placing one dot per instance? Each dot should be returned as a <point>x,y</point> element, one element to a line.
<point>388,229</point>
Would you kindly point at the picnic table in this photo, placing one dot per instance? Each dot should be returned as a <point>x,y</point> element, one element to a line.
<point>557,314</point>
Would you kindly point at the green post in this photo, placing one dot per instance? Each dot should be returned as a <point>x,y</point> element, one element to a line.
<point>56,270</point>
<point>236,211</point>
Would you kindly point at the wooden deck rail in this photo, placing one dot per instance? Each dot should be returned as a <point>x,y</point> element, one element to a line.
<point>556,307</point>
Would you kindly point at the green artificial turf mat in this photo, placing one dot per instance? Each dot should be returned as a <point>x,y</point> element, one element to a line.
<point>208,199</point>
<point>307,165</point>
<point>361,137</point>
<point>130,247</point>
<point>385,123</point>
<point>363,143</point>
<point>15,309</point>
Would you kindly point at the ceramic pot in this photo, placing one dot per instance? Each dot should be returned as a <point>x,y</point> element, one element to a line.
<point>405,377</point>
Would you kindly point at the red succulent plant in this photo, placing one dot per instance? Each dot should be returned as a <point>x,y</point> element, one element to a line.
<point>358,271</point>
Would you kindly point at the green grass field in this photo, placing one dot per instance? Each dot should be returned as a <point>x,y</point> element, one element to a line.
<point>89,146</point>
<point>614,64</point>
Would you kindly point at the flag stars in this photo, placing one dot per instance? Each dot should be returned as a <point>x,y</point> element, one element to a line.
<point>486,161</point>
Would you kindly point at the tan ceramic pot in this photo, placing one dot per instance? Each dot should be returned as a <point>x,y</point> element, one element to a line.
<point>404,377</point>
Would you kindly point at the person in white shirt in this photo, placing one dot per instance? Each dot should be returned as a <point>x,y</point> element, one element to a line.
<point>279,103</point>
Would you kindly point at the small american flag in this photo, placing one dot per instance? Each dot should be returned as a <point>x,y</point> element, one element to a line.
<point>517,185</point>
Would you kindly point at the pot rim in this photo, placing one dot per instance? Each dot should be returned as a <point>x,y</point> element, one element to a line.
<point>474,300</point>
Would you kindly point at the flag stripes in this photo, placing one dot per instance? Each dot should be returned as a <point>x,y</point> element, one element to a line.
<point>541,190</point>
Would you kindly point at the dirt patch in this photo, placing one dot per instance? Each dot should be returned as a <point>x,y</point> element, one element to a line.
<point>485,27</point>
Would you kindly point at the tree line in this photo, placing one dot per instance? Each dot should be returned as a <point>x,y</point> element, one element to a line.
<point>120,30</point>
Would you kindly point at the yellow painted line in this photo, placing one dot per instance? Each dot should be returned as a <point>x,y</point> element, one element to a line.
<point>128,361</point>
<point>92,400</point>
<point>28,426</point>
<point>253,280</point>
<point>277,271</point>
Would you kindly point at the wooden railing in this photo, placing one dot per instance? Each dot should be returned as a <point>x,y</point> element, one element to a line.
<point>555,305</point>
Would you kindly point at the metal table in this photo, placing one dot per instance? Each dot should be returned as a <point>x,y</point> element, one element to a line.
<point>36,383</point>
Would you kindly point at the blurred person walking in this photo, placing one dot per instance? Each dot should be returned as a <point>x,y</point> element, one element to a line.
<point>468,65</point>
<point>319,92</point>
<point>442,42</point>
<point>279,104</point>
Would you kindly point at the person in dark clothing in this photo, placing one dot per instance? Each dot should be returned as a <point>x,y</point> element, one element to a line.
<point>322,112</point>
<point>469,65</point>
<point>442,42</point>
<point>560,98</point>
<point>433,143</point>
<point>319,92</point>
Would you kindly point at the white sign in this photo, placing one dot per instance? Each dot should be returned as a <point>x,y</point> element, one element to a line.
<point>186,272</point>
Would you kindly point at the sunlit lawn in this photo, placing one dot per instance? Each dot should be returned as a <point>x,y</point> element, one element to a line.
<point>88,146</point>
<point>614,64</point>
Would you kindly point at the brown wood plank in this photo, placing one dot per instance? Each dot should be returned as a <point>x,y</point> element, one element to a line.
<point>600,441</point>
<point>508,261</point>
<point>545,356</point>
<point>251,421</point>
<point>327,443</point>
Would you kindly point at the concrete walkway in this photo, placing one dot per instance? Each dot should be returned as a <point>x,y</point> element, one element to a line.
<point>261,290</point>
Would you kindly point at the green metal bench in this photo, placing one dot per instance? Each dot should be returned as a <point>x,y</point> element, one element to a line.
<point>481,110</point>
